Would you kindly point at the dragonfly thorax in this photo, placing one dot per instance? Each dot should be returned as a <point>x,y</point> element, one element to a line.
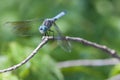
<point>47,23</point>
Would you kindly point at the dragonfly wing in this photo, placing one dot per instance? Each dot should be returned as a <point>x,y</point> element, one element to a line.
<point>23,28</point>
<point>63,43</point>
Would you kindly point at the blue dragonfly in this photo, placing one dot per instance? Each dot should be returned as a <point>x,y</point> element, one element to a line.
<point>22,28</point>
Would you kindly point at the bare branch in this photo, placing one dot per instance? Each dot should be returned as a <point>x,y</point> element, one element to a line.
<point>111,52</point>
<point>88,62</point>
<point>101,47</point>
<point>83,41</point>
<point>116,77</point>
<point>44,41</point>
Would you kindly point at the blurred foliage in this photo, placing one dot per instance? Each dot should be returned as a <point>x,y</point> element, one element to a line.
<point>94,20</point>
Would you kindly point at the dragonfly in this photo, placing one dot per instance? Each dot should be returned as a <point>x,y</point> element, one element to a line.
<point>20,27</point>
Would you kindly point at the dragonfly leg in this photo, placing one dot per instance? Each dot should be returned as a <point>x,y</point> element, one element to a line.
<point>45,35</point>
<point>52,32</point>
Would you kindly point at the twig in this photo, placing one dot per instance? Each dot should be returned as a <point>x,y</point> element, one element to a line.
<point>88,62</point>
<point>115,77</point>
<point>45,40</point>
<point>111,52</point>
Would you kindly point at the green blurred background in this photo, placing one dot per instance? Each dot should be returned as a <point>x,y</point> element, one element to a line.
<point>94,20</point>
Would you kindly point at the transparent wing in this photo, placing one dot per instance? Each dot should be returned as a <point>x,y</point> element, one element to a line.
<point>63,43</point>
<point>23,28</point>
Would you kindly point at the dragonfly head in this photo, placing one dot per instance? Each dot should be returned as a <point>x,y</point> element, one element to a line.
<point>43,29</point>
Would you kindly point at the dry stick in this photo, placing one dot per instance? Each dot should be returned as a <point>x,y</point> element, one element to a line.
<point>88,62</point>
<point>112,52</point>
<point>45,40</point>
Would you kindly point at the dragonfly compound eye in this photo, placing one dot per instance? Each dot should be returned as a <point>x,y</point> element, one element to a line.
<point>43,29</point>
